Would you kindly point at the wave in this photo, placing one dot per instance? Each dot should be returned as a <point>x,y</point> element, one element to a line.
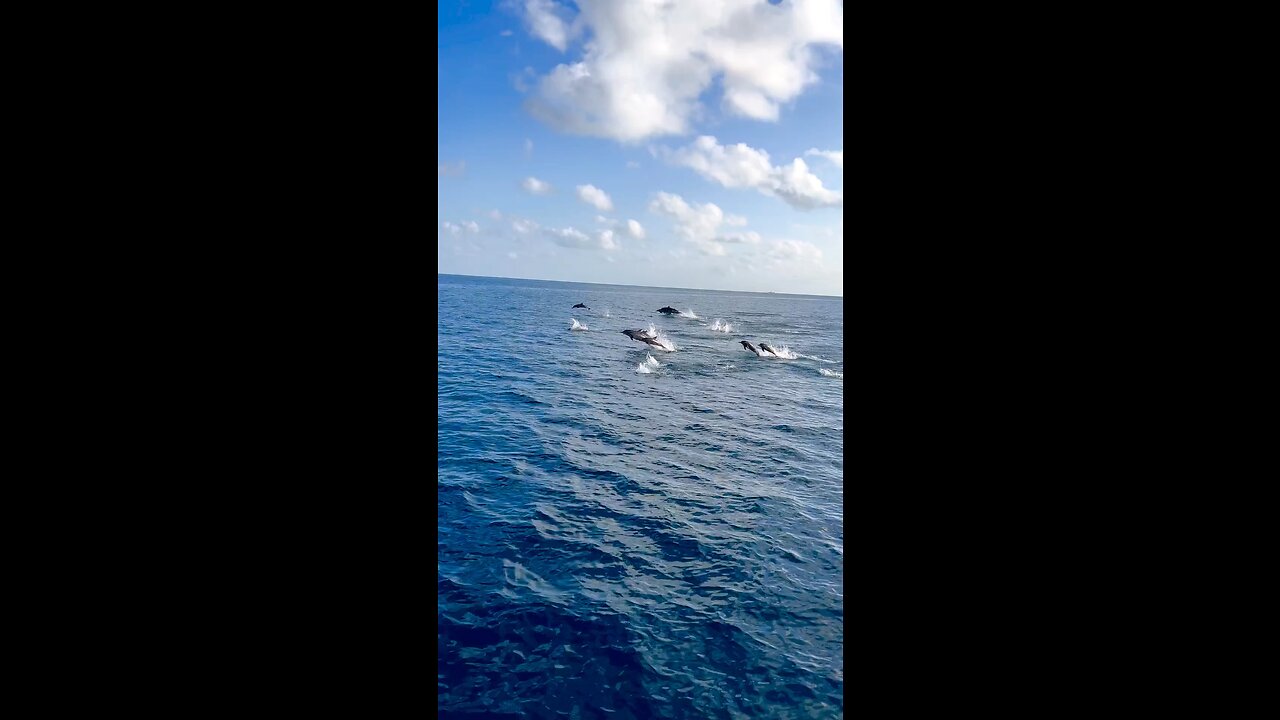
<point>830,373</point>
<point>819,359</point>
<point>665,343</point>
<point>721,327</point>
<point>577,325</point>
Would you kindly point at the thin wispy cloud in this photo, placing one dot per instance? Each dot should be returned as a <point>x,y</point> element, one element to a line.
<point>697,223</point>
<point>835,156</point>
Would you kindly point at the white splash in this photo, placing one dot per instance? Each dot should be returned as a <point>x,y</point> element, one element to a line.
<point>784,353</point>
<point>642,369</point>
<point>648,360</point>
<point>663,342</point>
<point>819,359</point>
<point>688,314</point>
<point>721,327</point>
<point>577,325</point>
<point>830,373</point>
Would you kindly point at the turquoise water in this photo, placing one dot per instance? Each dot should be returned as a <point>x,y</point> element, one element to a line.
<point>627,532</point>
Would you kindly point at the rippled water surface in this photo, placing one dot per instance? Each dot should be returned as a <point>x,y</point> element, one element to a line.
<point>627,532</point>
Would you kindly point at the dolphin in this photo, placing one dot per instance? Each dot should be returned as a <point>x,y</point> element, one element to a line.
<point>668,310</point>
<point>642,336</point>
<point>750,347</point>
<point>580,305</point>
<point>765,346</point>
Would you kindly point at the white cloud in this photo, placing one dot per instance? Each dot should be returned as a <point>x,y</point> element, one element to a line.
<point>750,238</point>
<point>528,148</point>
<point>573,238</point>
<point>506,33</point>
<point>471,226</point>
<point>646,65</point>
<point>794,250</point>
<point>495,214</point>
<point>696,223</point>
<point>450,227</point>
<point>802,189</point>
<point>524,227</point>
<point>534,186</point>
<point>742,166</point>
<point>513,255</point>
<point>546,22</point>
<point>835,156</point>
<point>569,237</point>
<point>632,164</point>
<point>635,229</point>
<point>592,195</point>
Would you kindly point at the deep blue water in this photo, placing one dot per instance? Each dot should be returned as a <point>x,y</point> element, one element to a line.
<point>621,545</point>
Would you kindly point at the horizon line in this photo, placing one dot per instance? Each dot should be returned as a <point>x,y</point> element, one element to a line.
<point>656,287</point>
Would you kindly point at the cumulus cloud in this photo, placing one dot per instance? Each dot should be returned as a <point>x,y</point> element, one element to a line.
<point>594,196</point>
<point>742,166</point>
<point>698,223</point>
<point>802,189</point>
<point>646,65</point>
<point>534,186</point>
<point>495,214</point>
<point>835,156</point>
<point>471,226</point>
<point>606,240</point>
<point>635,229</point>
<point>524,227</point>
<point>450,227</point>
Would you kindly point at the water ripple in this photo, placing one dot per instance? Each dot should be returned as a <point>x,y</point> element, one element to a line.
<point>623,545</point>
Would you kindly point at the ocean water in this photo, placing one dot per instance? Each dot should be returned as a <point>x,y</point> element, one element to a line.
<point>626,532</point>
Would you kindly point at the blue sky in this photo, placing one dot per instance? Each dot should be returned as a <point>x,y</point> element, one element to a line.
<point>648,142</point>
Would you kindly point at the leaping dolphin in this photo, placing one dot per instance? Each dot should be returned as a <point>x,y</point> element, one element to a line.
<point>580,305</point>
<point>765,346</point>
<point>644,337</point>
<point>669,311</point>
<point>750,347</point>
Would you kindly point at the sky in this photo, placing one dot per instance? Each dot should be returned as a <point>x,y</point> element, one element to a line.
<point>674,143</point>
